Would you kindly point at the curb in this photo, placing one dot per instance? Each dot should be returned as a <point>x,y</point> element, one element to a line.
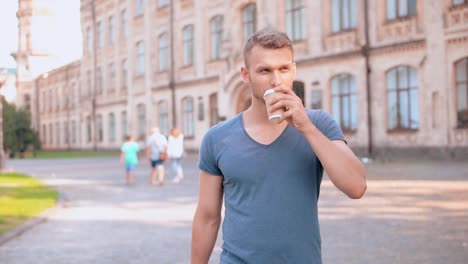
<point>31,223</point>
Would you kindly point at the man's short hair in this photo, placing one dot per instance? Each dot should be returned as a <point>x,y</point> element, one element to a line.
<point>269,38</point>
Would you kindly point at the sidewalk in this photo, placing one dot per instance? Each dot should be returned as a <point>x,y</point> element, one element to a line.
<point>411,213</point>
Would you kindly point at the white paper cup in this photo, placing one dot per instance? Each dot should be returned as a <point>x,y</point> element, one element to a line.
<point>269,95</point>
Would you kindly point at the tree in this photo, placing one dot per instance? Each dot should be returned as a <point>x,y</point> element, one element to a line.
<point>17,132</point>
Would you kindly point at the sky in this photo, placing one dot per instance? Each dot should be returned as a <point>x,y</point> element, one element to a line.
<point>67,43</point>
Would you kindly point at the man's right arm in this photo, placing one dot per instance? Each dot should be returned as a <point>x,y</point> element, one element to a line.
<point>207,217</point>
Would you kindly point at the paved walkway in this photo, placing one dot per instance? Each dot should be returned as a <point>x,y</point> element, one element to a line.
<point>412,213</point>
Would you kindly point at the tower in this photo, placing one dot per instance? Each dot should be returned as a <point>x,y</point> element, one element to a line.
<point>36,30</point>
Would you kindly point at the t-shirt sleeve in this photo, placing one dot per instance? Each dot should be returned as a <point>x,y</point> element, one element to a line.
<point>328,126</point>
<point>207,161</point>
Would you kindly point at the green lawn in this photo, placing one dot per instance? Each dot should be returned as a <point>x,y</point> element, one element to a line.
<point>21,198</point>
<point>71,154</point>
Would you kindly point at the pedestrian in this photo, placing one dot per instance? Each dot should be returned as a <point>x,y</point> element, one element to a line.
<point>175,150</point>
<point>270,171</point>
<point>156,153</point>
<point>129,157</point>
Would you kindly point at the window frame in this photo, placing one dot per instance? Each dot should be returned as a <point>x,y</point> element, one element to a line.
<point>461,123</point>
<point>297,28</point>
<point>350,123</point>
<point>216,37</point>
<point>188,43</point>
<point>397,10</point>
<point>248,23</point>
<point>188,117</point>
<point>399,127</point>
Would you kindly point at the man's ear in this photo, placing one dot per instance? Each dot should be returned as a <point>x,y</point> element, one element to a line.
<point>245,74</point>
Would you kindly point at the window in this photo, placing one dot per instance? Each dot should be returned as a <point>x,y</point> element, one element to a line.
<point>344,101</point>
<point>298,89</point>
<point>216,30</point>
<point>124,75</point>
<point>44,133</point>
<point>123,23</point>
<point>51,134</point>
<point>66,132</point>
<point>461,72</point>
<point>99,128</point>
<point>163,52</point>
<point>201,109</point>
<point>100,35</point>
<point>295,19</point>
<point>139,8</point>
<point>90,84</point>
<point>459,2</point>
<point>188,45</point>
<point>188,116</point>
<point>111,81</point>
<point>89,38</point>
<point>57,136</point>
<point>400,8</point>
<point>100,81</point>
<point>316,99</point>
<point>163,2</point>
<point>249,24</point>
<point>343,15</point>
<point>163,117</point>
<point>124,124</point>
<point>88,129</point>
<point>111,127</point>
<point>402,92</point>
<point>27,102</point>
<point>111,30</point>
<point>140,58</point>
<point>73,131</point>
<point>214,115</point>
<point>141,121</point>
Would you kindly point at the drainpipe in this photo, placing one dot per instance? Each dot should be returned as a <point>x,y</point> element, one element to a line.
<point>172,85</point>
<point>93,93</point>
<point>365,51</point>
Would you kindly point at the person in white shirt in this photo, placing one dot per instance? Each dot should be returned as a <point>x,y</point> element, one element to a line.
<point>156,153</point>
<point>175,150</point>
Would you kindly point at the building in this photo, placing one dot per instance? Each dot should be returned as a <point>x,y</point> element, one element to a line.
<point>392,73</point>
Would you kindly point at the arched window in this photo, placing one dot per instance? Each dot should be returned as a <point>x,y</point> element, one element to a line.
<point>298,89</point>
<point>461,72</point>
<point>111,127</point>
<point>214,115</point>
<point>99,128</point>
<point>141,121</point>
<point>124,124</point>
<point>188,117</point>
<point>249,21</point>
<point>402,93</point>
<point>344,101</point>
<point>163,110</point>
<point>295,19</point>
<point>216,31</point>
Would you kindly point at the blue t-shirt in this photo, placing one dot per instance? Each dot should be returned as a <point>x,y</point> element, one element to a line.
<point>270,191</point>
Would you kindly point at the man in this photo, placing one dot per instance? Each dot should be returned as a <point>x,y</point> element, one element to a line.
<point>156,151</point>
<point>269,172</point>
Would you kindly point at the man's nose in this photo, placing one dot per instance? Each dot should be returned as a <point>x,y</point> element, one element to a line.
<point>275,79</point>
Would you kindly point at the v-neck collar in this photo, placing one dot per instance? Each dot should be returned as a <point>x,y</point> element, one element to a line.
<point>241,117</point>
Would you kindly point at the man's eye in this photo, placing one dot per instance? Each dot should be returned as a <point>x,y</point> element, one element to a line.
<point>285,69</point>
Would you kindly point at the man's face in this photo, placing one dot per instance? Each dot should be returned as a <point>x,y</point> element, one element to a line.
<point>268,68</point>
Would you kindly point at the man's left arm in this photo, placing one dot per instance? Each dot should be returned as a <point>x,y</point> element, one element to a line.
<point>343,168</point>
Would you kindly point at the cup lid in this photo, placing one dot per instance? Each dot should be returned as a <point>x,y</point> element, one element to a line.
<point>269,91</point>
